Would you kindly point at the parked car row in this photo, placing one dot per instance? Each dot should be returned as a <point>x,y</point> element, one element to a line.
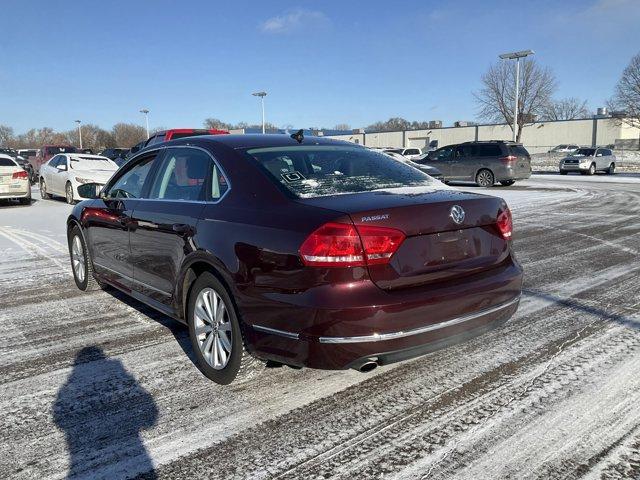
<point>21,157</point>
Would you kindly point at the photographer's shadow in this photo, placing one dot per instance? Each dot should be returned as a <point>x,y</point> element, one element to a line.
<point>102,409</point>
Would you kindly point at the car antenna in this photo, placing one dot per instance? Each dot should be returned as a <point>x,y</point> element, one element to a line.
<point>298,136</point>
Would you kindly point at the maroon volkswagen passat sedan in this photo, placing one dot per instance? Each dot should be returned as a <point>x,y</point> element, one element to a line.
<point>305,251</point>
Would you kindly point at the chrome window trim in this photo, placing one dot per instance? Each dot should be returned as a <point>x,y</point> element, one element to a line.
<point>275,331</point>
<point>378,337</point>
<point>133,280</point>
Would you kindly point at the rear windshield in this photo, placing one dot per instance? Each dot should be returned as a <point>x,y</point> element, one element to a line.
<point>317,171</point>
<point>189,134</point>
<point>5,162</point>
<point>54,150</point>
<point>519,151</point>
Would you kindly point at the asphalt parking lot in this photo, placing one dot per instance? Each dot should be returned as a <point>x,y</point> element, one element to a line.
<point>99,386</point>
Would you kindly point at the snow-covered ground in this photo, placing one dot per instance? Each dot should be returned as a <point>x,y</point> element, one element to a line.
<point>98,386</point>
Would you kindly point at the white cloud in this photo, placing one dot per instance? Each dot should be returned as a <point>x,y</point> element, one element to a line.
<point>294,20</point>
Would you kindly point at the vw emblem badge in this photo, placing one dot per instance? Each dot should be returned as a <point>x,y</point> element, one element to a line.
<point>457,214</point>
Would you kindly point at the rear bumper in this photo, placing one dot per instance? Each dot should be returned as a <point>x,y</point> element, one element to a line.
<point>401,328</point>
<point>23,191</point>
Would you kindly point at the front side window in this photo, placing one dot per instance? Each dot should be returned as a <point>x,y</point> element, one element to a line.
<point>53,161</point>
<point>443,153</point>
<point>131,183</point>
<point>184,175</point>
<point>322,170</point>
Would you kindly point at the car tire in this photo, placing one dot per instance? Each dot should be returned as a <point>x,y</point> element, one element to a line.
<point>612,169</point>
<point>25,201</point>
<point>592,169</point>
<point>68,193</point>
<point>507,183</point>
<point>485,178</point>
<point>563,172</point>
<point>81,264</point>
<point>216,338</point>
<point>43,190</point>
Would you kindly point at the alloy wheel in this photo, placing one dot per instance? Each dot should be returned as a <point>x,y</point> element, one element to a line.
<point>213,328</point>
<point>77,259</point>
<point>485,178</point>
<point>69,192</point>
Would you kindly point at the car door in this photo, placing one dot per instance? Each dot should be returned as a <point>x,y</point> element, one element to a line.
<point>603,158</point>
<point>48,170</point>
<point>166,221</point>
<point>59,175</point>
<point>443,160</point>
<point>109,219</point>
<point>466,162</point>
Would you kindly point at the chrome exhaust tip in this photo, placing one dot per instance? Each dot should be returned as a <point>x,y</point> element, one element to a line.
<point>368,366</point>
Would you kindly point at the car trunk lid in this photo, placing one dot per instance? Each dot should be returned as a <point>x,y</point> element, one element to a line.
<point>436,247</point>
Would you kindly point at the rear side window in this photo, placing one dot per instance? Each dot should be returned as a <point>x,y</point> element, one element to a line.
<point>519,151</point>
<point>412,151</point>
<point>6,162</point>
<point>157,139</point>
<point>322,170</point>
<point>182,175</point>
<point>491,150</point>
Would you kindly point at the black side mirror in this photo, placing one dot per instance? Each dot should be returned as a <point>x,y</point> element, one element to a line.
<point>89,190</point>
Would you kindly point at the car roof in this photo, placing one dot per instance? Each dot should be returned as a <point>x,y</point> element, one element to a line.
<point>84,155</point>
<point>237,141</point>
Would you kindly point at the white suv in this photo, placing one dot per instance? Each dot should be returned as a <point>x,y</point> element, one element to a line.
<point>589,161</point>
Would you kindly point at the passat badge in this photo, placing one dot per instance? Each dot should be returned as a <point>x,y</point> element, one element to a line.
<point>457,214</point>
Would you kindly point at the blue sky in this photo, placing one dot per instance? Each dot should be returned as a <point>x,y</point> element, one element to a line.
<point>322,63</point>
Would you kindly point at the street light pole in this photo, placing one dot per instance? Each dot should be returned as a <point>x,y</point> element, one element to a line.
<point>516,56</point>
<point>261,95</point>
<point>146,118</point>
<point>79,132</point>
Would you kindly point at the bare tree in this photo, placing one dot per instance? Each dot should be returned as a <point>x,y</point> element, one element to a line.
<point>217,123</point>
<point>126,135</point>
<point>626,98</point>
<point>391,125</point>
<point>6,136</point>
<point>497,97</point>
<point>565,109</point>
<point>342,126</point>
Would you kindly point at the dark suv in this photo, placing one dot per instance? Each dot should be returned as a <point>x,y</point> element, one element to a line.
<point>484,163</point>
<point>306,252</point>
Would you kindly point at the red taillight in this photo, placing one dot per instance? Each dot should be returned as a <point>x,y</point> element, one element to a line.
<point>21,174</point>
<point>504,223</point>
<point>380,243</point>
<point>508,160</point>
<point>344,245</point>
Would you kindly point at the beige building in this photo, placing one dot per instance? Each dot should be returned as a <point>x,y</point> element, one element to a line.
<point>538,137</point>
